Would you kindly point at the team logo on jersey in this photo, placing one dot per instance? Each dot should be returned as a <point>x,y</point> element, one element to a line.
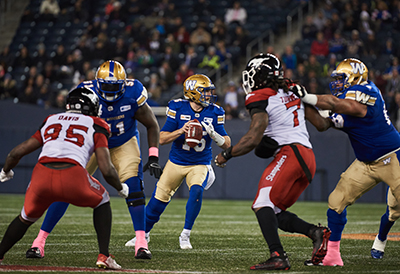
<point>110,108</point>
<point>185,117</point>
<point>125,108</point>
<point>358,68</point>
<point>208,120</point>
<point>197,115</point>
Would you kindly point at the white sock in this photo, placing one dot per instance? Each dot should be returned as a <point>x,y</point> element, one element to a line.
<point>186,232</point>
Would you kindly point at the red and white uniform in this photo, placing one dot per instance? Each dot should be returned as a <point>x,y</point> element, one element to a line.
<point>66,138</point>
<point>284,179</point>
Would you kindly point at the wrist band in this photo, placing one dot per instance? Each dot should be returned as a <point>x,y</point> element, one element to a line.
<point>310,99</point>
<point>153,151</point>
<point>227,153</point>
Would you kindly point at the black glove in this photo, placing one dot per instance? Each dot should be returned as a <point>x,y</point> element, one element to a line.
<point>153,166</point>
<point>298,90</point>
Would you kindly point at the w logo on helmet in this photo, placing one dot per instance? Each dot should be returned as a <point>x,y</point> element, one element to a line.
<point>357,68</point>
<point>190,84</point>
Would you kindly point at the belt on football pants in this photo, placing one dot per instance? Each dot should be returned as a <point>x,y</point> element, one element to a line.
<point>302,163</point>
<point>59,165</point>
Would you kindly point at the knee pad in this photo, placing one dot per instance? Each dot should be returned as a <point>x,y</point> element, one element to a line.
<point>136,199</point>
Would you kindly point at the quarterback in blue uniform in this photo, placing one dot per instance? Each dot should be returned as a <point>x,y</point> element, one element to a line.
<point>194,164</point>
<point>358,110</point>
<point>122,104</point>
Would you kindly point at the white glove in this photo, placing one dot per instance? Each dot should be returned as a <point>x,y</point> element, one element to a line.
<point>219,140</point>
<point>302,93</point>
<point>6,176</point>
<point>337,120</point>
<point>124,192</point>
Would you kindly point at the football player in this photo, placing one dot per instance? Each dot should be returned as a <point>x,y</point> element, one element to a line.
<point>68,140</point>
<point>194,164</point>
<point>358,110</point>
<point>278,129</point>
<point>122,104</point>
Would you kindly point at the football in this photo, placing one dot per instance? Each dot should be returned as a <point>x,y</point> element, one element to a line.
<point>194,134</point>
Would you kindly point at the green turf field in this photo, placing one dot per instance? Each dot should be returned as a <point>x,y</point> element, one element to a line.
<point>226,239</point>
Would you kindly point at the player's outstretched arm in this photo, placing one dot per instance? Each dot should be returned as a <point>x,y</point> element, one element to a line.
<point>319,122</point>
<point>107,168</point>
<point>146,116</point>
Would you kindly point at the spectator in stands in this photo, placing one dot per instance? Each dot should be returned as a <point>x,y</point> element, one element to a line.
<point>348,10</point>
<point>349,25</point>
<point>79,13</point>
<point>44,95</point>
<point>60,57</point>
<point>120,51</point>
<point>320,46</point>
<point>289,58</point>
<point>28,96</point>
<point>372,47</point>
<point>154,89</point>
<point>211,60</point>
<point>338,43</point>
<point>240,38</point>
<point>8,87</point>
<point>155,44</point>
<point>135,7</point>
<point>236,14</point>
<point>393,84</point>
<point>329,67</point>
<point>320,20</point>
<point>49,10</point>
<point>23,59</point>
<point>59,100</point>
<point>170,57</point>
<point>231,101</point>
<point>396,16</point>
<point>389,48</point>
<point>49,73</point>
<point>301,74</point>
<point>355,46</point>
<point>167,75</point>
<point>31,76</point>
<point>200,36</point>
<point>171,11</point>
<point>313,66</point>
<point>389,71</point>
<point>40,57</point>
<point>202,8</point>
<point>183,73</point>
<point>183,37</point>
<point>365,19</point>
<point>223,53</point>
<point>6,57</point>
<point>145,60</point>
<point>170,41</point>
<point>309,29</point>
<point>131,63</point>
<point>337,23</point>
<point>328,29</point>
<point>381,16</point>
<point>109,7</point>
<point>314,87</point>
<point>218,31</point>
<point>191,58</point>
<point>117,15</point>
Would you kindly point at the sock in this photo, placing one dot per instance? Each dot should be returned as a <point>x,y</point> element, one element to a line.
<point>102,219</point>
<point>385,226</point>
<point>140,240</point>
<point>154,209</point>
<point>193,205</point>
<point>269,227</point>
<point>15,231</point>
<point>186,232</point>
<point>336,223</point>
<point>40,241</point>
<point>53,215</point>
<point>290,222</point>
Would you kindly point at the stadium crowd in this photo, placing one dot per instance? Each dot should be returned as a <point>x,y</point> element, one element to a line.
<point>158,44</point>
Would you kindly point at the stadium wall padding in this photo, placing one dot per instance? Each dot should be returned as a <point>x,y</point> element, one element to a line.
<point>238,180</point>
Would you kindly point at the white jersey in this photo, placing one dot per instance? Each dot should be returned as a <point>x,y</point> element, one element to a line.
<point>70,137</point>
<point>286,115</point>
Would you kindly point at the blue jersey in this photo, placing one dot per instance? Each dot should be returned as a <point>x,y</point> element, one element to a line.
<point>178,113</point>
<point>120,115</point>
<point>374,135</point>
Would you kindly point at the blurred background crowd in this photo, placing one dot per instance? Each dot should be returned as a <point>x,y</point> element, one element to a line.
<point>60,43</point>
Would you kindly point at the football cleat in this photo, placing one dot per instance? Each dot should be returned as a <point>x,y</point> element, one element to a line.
<point>107,262</point>
<point>34,253</point>
<point>184,242</point>
<point>132,241</point>
<point>276,262</point>
<point>378,248</point>
<point>320,237</point>
<point>143,253</point>
<point>310,263</point>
